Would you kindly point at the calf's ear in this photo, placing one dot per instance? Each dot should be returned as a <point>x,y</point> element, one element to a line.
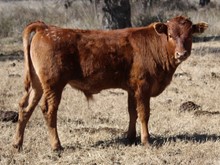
<point>160,28</point>
<point>199,27</point>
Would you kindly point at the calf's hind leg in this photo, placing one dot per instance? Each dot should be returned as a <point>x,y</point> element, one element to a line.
<point>51,100</point>
<point>27,106</point>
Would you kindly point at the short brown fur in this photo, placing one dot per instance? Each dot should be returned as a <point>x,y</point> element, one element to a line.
<point>141,61</point>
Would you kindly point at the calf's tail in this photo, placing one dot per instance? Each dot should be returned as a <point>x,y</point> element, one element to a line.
<point>28,34</point>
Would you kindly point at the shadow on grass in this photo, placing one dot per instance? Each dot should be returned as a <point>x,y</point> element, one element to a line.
<point>111,143</point>
<point>159,141</point>
<point>17,55</point>
<point>206,38</point>
<point>204,50</point>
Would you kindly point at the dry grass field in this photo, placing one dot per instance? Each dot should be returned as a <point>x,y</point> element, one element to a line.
<point>94,133</point>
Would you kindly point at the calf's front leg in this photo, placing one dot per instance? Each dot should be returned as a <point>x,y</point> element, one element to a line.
<point>143,112</point>
<point>131,135</point>
<point>143,115</point>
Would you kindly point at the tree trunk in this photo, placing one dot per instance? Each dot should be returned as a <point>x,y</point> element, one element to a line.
<point>203,2</point>
<point>117,14</point>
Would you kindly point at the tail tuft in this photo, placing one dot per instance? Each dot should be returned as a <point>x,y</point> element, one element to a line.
<point>89,96</point>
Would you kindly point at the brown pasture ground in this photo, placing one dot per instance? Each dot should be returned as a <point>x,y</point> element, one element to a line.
<point>94,132</point>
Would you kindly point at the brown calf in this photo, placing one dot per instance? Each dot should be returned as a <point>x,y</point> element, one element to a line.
<point>138,60</point>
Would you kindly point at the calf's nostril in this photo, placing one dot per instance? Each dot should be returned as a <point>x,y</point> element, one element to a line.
<point>181,54</point>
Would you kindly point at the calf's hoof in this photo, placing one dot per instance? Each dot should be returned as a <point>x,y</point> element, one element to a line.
<point>145,141</point>
<point>132,140</point>
<point>131,137</point>
<point>58,149</point>
<point>146,145</point>
<point>17,147</point>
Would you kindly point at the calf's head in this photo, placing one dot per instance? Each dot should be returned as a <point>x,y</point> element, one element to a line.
<point>179,32</point>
